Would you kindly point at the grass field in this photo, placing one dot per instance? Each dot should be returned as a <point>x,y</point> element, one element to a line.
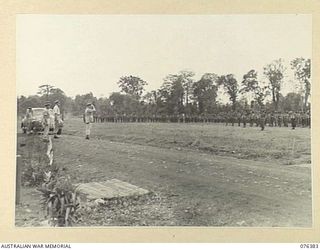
<point>281,145</point>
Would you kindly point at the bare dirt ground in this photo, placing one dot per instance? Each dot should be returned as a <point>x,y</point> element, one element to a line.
<point>198,174</point>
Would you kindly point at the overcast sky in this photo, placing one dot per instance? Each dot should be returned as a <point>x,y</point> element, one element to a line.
<point>89,53</point>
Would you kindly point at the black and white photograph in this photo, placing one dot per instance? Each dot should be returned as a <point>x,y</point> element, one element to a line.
<point>164,121</point>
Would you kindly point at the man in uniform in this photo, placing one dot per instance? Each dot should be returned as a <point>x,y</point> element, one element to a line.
<point>285,119</point>
<point>88,118</point>
<point>57,118</point>
<point>46,121</point>
<point>29,116</point>
<point>280,119</point>
<point>268,119</point>
<point>257,118</point>
<point>272,120</point>
<point>239,118</point>
<point>304,119</point>
<point>309,119</point>
<point>251,118</point>
<point>233,115</point>
<point>226,118</point>
<point>293,119</point>
<point>262,119</point>
<point>244,118</point>
<point>298,118</point>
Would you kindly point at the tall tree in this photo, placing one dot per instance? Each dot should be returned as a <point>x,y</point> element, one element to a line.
<point>81,101</point>
<point>291,101</point>
<point>250,84</point>
<point>275,74</point>
<point>187,81</point>
<point>117,102</point>
<point>45,90</point>
<point>124,104</point>
<point>172,93</point>
<point>302,72</point>
<point>151,102</point>
<point>58,94</point>
<point>132,85</point>
<point>32,101</point>
<point>51,93</point>
<point>231,87</point>
<point>205,93</point>
<point>104,107</point>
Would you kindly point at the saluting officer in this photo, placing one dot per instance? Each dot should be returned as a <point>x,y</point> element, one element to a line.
<point>88,118</point>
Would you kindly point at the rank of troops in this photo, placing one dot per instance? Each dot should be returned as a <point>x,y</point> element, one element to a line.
<point>51,118</point>
<point>261,119</point>
<point>273,119</point>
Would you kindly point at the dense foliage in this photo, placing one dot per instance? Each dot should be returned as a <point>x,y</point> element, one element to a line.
<point>180,94</point>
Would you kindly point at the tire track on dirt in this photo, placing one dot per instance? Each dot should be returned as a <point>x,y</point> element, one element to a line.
<point>269,193</point>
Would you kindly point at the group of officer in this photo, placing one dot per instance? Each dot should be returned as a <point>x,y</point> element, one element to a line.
<point>51,120</point>
<point>88,118</point>
<point>47,120</point>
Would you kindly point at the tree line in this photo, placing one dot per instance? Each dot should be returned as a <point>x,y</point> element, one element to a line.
<point>181,94</point>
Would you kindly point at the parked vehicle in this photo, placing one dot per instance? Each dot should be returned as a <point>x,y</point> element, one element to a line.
<point>36,123</point>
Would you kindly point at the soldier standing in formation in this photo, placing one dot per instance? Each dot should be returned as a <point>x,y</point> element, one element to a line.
<point>293,119</point>
<point>272,120</point>
<point>233,114</point>
<point>304,119</point>
<point>309,119</point>
<point>251,118</point>
<point>262,120</point>
<point>298,117</point>
<point>226,118</point>
<point>280,119</point>
<point>286,120</point>
<point>88,118</point>
<point>239,119</point>
<point>244,119</point>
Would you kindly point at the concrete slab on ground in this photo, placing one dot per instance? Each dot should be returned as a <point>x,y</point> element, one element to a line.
<point>110,189</point>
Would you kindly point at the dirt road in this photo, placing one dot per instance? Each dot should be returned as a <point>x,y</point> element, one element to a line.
<point>199,188</point>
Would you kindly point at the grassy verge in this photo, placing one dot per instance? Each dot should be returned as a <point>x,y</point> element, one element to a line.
<point>282,145</point>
